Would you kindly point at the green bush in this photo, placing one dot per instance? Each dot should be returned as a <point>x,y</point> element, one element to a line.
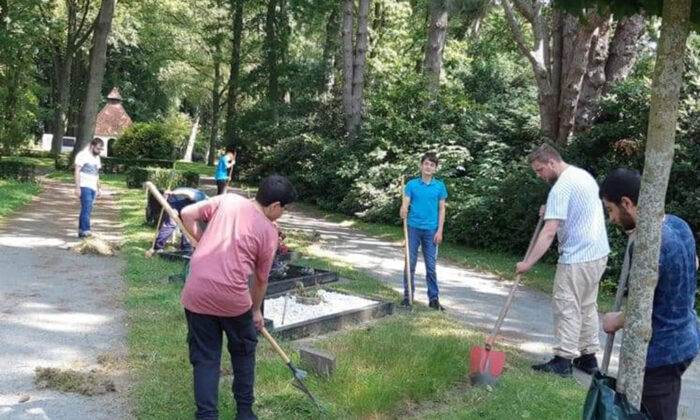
<point>162,178</point>
<point>62,162</point>
<point>19,171</point>
<point>115,165</point>
<point>146,141</point>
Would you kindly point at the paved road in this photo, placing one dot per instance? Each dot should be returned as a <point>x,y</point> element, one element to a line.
<point>58,308</point>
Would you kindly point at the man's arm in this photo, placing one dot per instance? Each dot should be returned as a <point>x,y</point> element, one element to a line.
<point>403,213</point>
<point>190,218</point>
<point>544,241</point>
<point>77,179</point>
<point>257,293</point>
<point>441,222</point>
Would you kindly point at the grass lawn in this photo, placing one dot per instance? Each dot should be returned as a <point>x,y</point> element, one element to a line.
<point>407,365</point>
<point>199,167</point>
<point>14,194</point>
<point>502,264</point>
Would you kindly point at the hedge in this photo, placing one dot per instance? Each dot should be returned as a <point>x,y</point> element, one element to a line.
<point>135,177</point>
<point>113,165</point>
<point>20,171</point>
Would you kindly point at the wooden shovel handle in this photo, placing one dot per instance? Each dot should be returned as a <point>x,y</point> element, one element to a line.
<point>407,250</point>
<point>172,213</point>
<point>274,345</point>
<point>506,306</point>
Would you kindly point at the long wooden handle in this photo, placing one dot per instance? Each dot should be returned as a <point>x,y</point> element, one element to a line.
<point>407,249</point>
<point>171,177</point>
<point>509,299</point>
<point>619,296</point>
<point>172,213</point>
<point>274,345</point>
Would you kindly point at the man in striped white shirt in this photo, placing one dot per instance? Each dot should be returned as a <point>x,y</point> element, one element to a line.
<point>574,213</point>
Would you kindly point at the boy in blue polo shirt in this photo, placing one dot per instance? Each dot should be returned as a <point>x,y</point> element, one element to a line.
<point>223,170</point>
<point>424,205</point>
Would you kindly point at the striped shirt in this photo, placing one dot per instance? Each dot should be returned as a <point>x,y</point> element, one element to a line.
<point>574,201</point>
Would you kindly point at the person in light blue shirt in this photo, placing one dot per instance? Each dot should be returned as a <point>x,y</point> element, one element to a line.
<point>424,205</point>
<point>223,170</point>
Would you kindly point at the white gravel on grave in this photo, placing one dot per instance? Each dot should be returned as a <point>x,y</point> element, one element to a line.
<point>331,303</point>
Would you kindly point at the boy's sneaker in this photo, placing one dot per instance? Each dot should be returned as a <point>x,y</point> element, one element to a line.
<point>245,414</point>
<point>587,363</point>
<point>405,302</point>
<point>558,365</point>
<point>435,304</point>
<point>85,234</point>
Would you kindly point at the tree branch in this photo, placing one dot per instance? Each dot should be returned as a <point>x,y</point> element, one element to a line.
<point>525,9</point>
<point>520,38</point>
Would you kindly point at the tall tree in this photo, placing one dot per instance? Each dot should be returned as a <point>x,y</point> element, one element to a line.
<point>437,35</point>
<point>353,70</point>
<point>216,94</point>
<point>78,28</point>
<point>661,132</point>
<point>567,58</point>
<point>330,46</point>
<point>271,53</point>
<point>98,59</point>
<point>230,135</point>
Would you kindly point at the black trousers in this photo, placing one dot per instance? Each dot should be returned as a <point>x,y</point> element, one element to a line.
<point>220,186</point>
<point>204,336</point>
<point>662,390</point>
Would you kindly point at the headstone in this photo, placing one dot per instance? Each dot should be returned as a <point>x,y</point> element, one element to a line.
<point>320,362</point>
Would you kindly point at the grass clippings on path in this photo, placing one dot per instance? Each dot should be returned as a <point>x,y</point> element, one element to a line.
<point>89,383</point>
<point>95,245</point>
<point>407,365</point>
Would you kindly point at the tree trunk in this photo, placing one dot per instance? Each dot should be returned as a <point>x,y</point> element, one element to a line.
<point>358,69</point>
<point>98,59</point>
<point>437,34</point>
<point>230,135</point>
<point>193,137</point>
<point>215,105</point>
<point>329,52</point>
<point>64,81</point>
<point>348,59</point>
<point>661,131</point>
<point>62,103</point>
<point>271,53</point>
<point>623,49</point>
<point>587,109</point>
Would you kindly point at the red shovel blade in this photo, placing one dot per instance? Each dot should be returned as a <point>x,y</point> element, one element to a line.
<point>486,361</point>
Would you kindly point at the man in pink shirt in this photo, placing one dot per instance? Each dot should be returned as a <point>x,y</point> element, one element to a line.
<point>240,241</point>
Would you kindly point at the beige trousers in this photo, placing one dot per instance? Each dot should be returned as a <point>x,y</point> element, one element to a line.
<point>576,308</point>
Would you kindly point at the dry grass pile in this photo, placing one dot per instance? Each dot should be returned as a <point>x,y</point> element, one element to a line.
<point>68,380</point>
<point>94,245</point>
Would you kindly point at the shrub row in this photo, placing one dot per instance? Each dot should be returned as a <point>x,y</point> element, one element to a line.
<point>19,171</point>
<point>162,178</point>
<point>114,165</point>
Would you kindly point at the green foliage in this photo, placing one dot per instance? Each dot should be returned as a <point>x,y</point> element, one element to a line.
<point>14,194</point>
<point>113,165</point>
<point>18,171</point>
<point>154,140</point>
<point>162,178</point>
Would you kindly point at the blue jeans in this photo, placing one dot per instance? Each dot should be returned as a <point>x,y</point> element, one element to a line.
<point>424,239</point>
<point>204,337</point>
<point>87,200</point>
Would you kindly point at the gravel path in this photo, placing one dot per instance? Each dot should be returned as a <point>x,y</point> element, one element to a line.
<point>59,309</point>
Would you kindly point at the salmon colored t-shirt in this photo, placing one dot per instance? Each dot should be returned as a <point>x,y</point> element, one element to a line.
<point>238,241</point>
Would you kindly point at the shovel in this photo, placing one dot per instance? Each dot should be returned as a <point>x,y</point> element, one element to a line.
<point>297,373</point>
<point>409,280</point>
<point>621,286</point>
<point>485,364</point>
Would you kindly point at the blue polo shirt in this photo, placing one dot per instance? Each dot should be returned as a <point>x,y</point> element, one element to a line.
<point>423,210</point>
<point>221,169</point>
<point>675,336</point>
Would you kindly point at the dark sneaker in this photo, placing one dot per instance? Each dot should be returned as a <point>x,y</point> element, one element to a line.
<point>405,302</point>
<point>85,234</point>
<point>435,304</point>
<point>558,365</point>
<point>587,363</point>
<point>245,415</point>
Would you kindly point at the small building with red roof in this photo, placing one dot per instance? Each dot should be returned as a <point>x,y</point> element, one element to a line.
<point>112,120</point>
